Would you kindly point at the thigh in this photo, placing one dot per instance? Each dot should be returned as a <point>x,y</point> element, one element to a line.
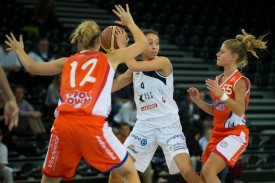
<point>141,144</point>
<point>173,143</point>
<point>230,148</point>
<point>46,179</point>
<point>63,154</point>
<point>103,150</point>
<point>214,163</point>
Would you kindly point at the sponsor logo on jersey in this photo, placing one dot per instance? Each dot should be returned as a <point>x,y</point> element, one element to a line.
<point>178,146</point>
<point>175,137</point>
<point>132,148</point>
<point>53,151</point>
<point>105,148</point>
<point>233,79</point>
<point>145,96</point>
<point>78,98</point>
<point>143,142</point>
<point>136,76</point>
<point>163,99</point>
<point>219,105</point>
<point>152,106</point>
<point>224,144</point>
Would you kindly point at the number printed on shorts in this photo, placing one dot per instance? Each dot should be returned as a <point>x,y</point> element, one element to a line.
<point>88,77</point>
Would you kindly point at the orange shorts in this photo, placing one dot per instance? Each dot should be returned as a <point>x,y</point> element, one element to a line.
<point>74,137</point>
<point>228,148</point>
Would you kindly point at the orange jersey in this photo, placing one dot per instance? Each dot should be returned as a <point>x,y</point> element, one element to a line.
<point>86,85</point>
<point>226,122</point>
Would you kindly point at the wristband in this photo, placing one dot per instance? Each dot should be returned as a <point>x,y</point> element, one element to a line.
<point>224,97</point>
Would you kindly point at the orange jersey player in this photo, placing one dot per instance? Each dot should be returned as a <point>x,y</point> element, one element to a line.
<point>230,93</point>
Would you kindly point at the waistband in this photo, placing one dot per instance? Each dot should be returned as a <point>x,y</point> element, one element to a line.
<point>81,117</point>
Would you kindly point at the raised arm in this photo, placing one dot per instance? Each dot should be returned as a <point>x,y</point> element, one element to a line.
<point>140,44</point>
<point>36,68</point>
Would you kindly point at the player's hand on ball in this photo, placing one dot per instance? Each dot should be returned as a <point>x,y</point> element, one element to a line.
<point>124,16</point>
<point>121,38</point>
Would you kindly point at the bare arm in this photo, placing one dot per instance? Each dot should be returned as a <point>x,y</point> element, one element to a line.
<point>160,64</point>
<point>237,105</point>
<point>122,80</point>
<point>194,96</point>
<point>5,87</point>
<point>36,68</point>
<point>11,109</point>
<point>121,55</point>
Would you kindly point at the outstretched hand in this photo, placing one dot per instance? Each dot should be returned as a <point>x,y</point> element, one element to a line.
<point>13,44</point>
<point>124,16</point>
<point>194,94</point>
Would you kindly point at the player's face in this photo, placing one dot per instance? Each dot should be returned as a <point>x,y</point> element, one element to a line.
<point>153,48</point>
<point>224,56</point>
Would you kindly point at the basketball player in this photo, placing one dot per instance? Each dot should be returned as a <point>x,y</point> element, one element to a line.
<point>11,109</point>
<point>158,121</point>
<point>80,129</point>
<point>230,92</point>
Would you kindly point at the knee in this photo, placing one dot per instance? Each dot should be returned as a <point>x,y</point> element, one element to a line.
<point>114,175</point>
<point>207,173</point>
<point>186,171</point>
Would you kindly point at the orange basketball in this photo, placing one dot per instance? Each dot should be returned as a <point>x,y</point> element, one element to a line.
<point>108,39</point>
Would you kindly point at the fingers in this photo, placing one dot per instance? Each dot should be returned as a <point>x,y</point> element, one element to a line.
<point>21,38</point>
<point>127,8</point>
<point>120,9</point>
<point>8,38</point>
<point>115,12</point>
<point>118,22</point>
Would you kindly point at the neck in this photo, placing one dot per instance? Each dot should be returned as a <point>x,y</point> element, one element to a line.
<point>229,71</point>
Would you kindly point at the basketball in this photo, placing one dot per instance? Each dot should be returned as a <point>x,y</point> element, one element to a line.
<point>108,39</point>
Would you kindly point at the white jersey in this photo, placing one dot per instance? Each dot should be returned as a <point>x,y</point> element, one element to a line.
<point>154,99</point>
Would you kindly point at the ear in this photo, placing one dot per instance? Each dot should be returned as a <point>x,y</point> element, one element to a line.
<point>235,56</point>
<point>98,40</point>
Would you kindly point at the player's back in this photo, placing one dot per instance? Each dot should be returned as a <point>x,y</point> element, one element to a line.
<point>86,84</point>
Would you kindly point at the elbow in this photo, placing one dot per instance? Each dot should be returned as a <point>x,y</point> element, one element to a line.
<point>30,69</point>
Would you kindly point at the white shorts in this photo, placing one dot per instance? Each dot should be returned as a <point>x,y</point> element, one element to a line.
<point>230,148</point>
<point>144,140</point>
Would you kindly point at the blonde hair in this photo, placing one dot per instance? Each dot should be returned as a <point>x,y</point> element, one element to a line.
<point>244,43</point>
<point>85,34</point>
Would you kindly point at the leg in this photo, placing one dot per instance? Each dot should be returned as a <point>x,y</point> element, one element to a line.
<point>212,167</point>
<point>148,175</point>
<point>183,162</point>
<point>7,175</point>
<point>128,172</point>
<point>46,179</point>
<point>115,176</point>
<point>223,174</point>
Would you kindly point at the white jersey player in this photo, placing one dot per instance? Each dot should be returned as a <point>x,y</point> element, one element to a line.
<point>158,121</point>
